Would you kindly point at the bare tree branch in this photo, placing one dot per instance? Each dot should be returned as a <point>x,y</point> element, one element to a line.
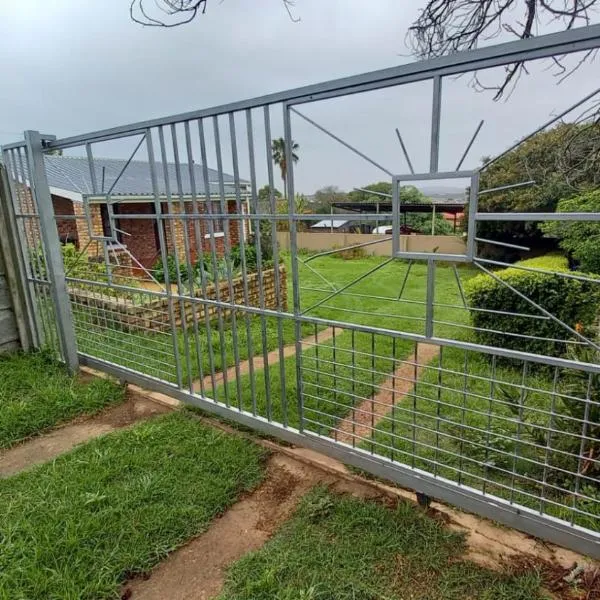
<point>173,13</point>
<point>448,26</point>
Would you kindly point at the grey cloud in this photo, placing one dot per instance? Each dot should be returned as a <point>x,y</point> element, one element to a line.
<point>71,67</point>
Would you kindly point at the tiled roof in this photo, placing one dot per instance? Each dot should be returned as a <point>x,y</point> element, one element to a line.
<point>73,174</point>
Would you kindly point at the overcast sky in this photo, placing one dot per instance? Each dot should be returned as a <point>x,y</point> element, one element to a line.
<point>71,67</point>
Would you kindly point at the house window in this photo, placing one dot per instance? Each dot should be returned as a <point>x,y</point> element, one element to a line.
<point>218,228</point>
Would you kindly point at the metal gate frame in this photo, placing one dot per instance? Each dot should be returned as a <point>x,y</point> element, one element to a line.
<point>47,282</point>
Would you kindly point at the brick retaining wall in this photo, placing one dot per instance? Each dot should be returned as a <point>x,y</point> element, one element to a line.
<point>152,313</point>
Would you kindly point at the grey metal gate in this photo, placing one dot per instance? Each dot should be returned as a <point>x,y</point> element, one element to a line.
<point>176,280</point>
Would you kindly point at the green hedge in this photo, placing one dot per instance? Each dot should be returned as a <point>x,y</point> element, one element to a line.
<point>574,302</point>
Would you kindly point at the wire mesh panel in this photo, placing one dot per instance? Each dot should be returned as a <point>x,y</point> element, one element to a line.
<point>184,271</point>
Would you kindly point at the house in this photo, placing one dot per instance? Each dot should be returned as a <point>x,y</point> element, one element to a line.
<point>130,189</point>
<point>337,225</point>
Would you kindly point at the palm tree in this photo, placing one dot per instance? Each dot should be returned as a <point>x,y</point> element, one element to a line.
<point>279,158</point>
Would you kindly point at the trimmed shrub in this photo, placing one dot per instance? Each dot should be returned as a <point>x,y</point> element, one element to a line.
<point>578,238</point>
<point>572,301</point>
<point>159,272</point>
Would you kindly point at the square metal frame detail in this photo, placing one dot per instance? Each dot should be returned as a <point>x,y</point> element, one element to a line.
<point>397,180</point>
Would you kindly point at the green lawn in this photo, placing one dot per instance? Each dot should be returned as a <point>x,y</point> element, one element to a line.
<point>342,548</point>
<point>77,527</point>
<point>36,394</point>
<point>152,352</point>
<point>341,373</point>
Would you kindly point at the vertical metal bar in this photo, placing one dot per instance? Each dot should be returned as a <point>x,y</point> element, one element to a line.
<point>224,208</point>
<point>40,270</point>
<point>520,422</point>
<point>393,413</point>
<point>180,291</point>
<point>461,451</point>
<point>49,232</point>
<point>430,298</point>
<point>259,261</point>
<point>188,261</point>
<point>334,370</point>
<point>488,429</point>
<point>287,126</point>
<point>352,340</point>
<point>275,244</point>
<point>414,406</point>
<point>472,222</point>
<point>163,251</point>
<point>213,254</point>
<point>549,440</point>
<point>242,245</point>
<point>438,410</point>
<point>198,267</point>
<point>318,373</point>
<point>22,251</point>
<point>373,392</point>
<point>584,435</point>
<point>436,112</point>
<point>395,216</point>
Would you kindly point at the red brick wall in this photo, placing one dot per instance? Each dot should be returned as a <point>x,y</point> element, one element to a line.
<point>142,241</point>
<point>67,228</point>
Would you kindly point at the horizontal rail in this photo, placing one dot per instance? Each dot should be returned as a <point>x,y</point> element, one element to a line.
<point>469,499</point>
<point>565,42</point>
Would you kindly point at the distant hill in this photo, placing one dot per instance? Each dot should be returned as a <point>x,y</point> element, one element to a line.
<point>444,192</point>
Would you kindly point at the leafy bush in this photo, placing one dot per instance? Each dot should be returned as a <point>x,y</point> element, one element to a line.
<point>579,238</point>
<point>571,410</point>
<point>559,161</point>
<point>159,271</point>
<point>572,301</point>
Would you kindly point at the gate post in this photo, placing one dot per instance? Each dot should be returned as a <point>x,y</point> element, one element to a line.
<point>40,191</point>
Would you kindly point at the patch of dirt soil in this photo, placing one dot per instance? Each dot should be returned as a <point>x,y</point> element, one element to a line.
<point>197,570</point>
<point>57,441</point>
<point>574,583</point>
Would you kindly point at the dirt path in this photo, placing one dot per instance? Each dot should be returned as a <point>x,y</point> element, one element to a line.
<point>259,361</point>
<point>197,570</point>
<point>367,414</point>
<point>49,445</point>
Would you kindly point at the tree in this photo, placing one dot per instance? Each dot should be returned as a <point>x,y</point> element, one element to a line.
<point>579,239</point>
<point>326,196</point>
<point>279,157</point>
<point>172,13</point>
<point>560,169</point>
<point>409,194</point>
<point>448,26</point>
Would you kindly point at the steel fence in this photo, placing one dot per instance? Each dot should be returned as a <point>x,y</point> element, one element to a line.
<point>404,390</point>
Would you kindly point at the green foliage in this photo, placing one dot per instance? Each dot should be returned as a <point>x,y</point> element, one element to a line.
<point>572,301</point>
<point>79,526</point>
<point>409,194</point>
<point>571,411</point>
<point>324,198</point>
<point>159,272</point>
<point>579,238</point>
<point>37,393</point>
<point>264,198</point>
<point>343,548</point>
<point>556,160</point>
